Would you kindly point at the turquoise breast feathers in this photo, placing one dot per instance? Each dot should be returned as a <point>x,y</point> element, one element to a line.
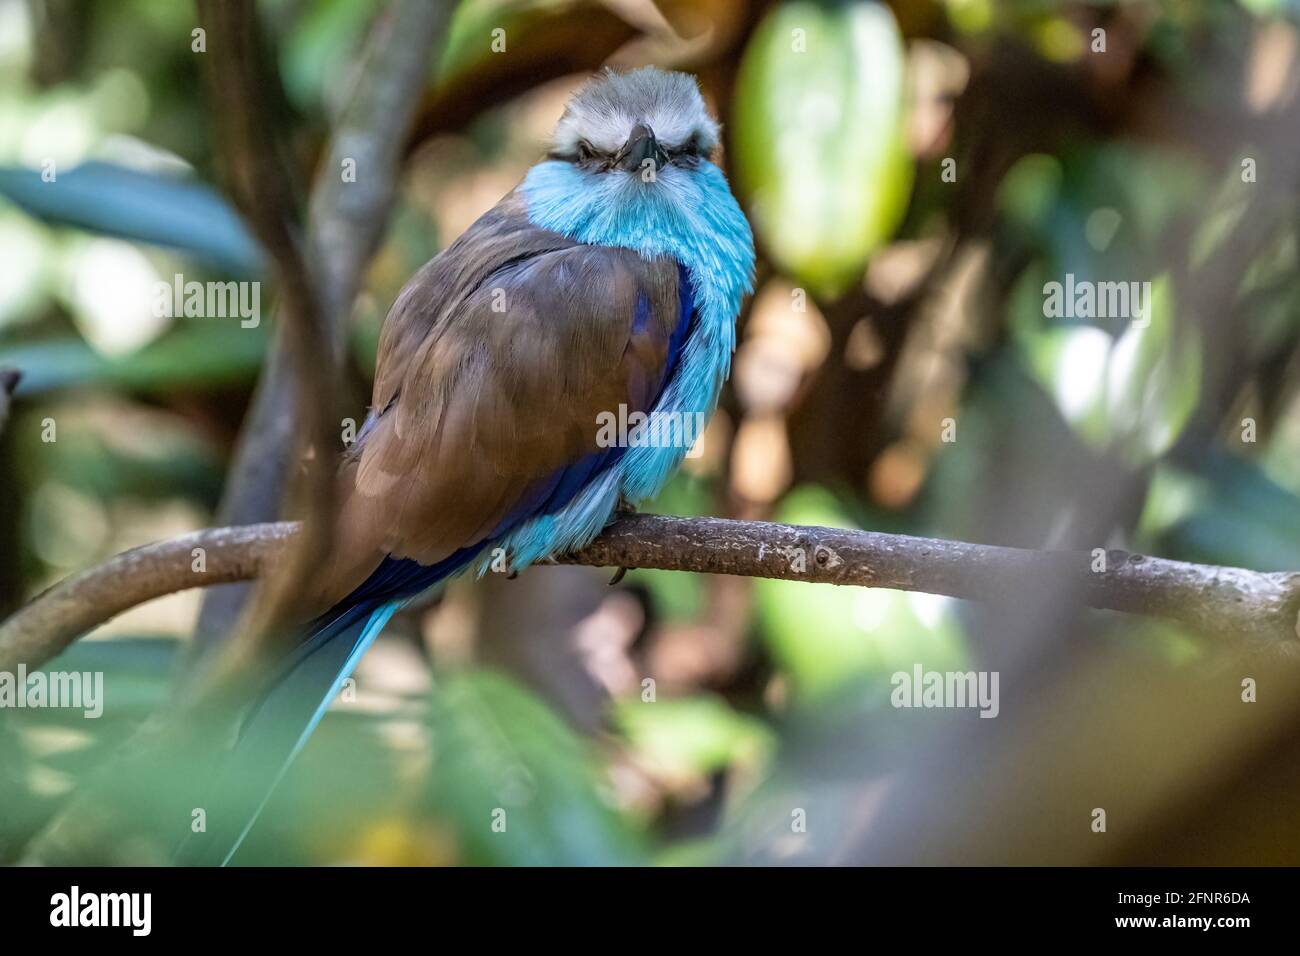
<point>695,220</point>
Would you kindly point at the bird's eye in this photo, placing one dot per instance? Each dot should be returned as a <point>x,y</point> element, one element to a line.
<point>585,152</point>
<point>687,154</point>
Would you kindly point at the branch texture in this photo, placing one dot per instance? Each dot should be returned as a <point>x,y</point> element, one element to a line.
<point>1225,603</point>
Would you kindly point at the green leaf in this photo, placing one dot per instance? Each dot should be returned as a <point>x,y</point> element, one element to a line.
<point>820,151</point>
<point>146,207</point>
<point>199,355</point>
<point>501,756</point>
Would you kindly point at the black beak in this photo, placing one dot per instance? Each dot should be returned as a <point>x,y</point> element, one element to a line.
<point>640,146</point>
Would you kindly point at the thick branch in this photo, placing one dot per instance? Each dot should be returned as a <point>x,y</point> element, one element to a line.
<point>54,619</point>
<point>243,88</point>
<point>346,223</point>
<point>348,217</point>
<point>1226,603</point>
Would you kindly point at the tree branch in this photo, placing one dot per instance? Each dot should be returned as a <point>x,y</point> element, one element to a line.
<point>57,617</point>
<point>243,85</point>
<point>1225,603</point>
<point>346,223</point>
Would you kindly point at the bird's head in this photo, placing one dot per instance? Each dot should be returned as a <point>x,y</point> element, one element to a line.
<point>630,165</point>
<point>642,124</point>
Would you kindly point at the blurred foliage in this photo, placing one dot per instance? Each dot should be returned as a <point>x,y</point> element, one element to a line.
<point>45,753</point>
<point>194,356</point>
<point>1127,386</point>
<point>500,754</point>
<point>898,300</point>
<point>114,201</point>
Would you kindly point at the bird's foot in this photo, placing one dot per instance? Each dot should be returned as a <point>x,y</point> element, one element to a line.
<point>623,509</point>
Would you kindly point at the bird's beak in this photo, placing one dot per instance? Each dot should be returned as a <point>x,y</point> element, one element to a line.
<point>640,146</point>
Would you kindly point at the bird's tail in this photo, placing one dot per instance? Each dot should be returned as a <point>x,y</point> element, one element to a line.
<point>278,726</point>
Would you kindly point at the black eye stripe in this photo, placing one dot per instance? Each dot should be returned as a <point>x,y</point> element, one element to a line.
<point>583,153</point>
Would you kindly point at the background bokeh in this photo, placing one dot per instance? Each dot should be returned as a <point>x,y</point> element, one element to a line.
<point>915,173</point>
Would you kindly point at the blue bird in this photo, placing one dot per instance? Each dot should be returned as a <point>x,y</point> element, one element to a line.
<point>608,281</point>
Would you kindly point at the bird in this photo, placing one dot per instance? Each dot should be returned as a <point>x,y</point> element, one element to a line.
<point>609,279</point>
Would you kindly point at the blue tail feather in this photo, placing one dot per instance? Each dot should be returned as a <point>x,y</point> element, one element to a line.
<point>274,732</point>
<point>277,727</point>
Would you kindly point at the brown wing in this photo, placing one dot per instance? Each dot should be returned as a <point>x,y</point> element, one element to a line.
<point>494,364</point>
